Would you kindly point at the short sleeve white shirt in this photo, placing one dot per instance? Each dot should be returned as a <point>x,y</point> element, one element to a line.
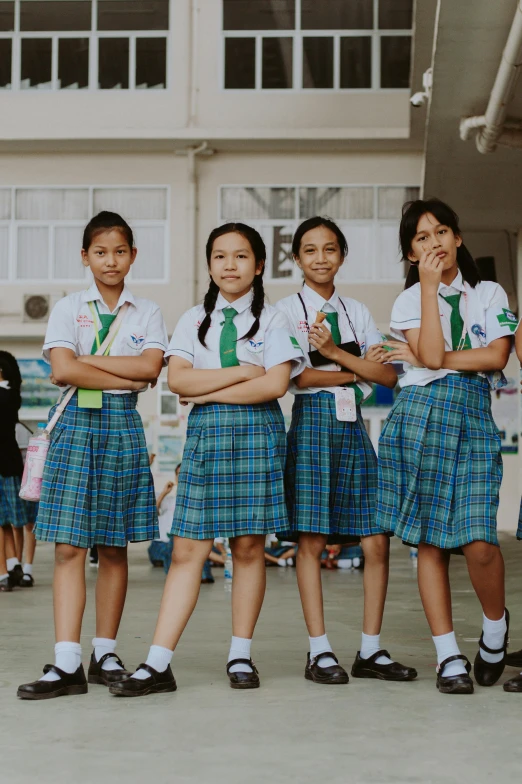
<point>273,343</point>
<point>71,325</point>
<point>362,328</point>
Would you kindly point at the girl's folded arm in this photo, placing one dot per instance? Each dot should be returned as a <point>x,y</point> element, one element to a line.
<point>367,370</point>
<point>146,367</point>
<point>66,369</point>
<point>271,386</point>
<point>310,377</point>
<point>185,380</point>
<point>492,357</point>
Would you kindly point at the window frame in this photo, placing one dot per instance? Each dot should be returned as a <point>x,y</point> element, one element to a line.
<point>93,35</point>
<point>298,34</point>
<point>13,224</point>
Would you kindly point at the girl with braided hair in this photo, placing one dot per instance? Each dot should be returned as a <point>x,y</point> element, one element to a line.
<point>232,357</point>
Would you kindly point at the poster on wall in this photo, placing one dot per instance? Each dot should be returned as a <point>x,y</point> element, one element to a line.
<point>38,394</point>
<point>504,407</point>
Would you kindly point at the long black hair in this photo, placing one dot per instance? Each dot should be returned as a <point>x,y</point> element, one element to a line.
<point>106,221</point>
<point>412,212</point>
<point>315,223</point>
<point>11,372</point>
<point>258,300</point>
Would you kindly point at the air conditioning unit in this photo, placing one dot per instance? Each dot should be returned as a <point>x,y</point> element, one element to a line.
<point>37,307</point>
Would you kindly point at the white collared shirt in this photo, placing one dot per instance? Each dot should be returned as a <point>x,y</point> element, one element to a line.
<point>272,344</point>
<point>71,326</point>
<point>484,310</point>
<point>366,332</point>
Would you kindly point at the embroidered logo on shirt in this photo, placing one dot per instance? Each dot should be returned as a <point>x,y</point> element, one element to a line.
<point>507,319</point>
<point>136,340</point>
<point>477,330</point>
<point>255,346</point>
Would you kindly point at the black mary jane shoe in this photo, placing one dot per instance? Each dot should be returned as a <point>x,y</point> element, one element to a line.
<point>327,675</point>
<point>67,685</point>
<point>368,668</point>
<point>156,683</point>
<point>16,576</point>
<point>97,675</point>
<point>454,684</point>
<point>487,674</point>
<point>243,680</point>
<point>514,684</point>
<point>27,581</point>
<point>5,585</point>
<point>514,659</point>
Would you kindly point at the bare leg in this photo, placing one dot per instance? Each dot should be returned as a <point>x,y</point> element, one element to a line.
<point>69,592</point>
<point>30,543</point>
<point>18,537</point>
<point>3,563</point>
<point>308,566</point>
<point>10,549</point>
<point>375,580</point>
<point>111,590</point>
<point>271,559</point>
<point>181,591</point>
<point>486,571</point>
<point>249,583</point>
<point>434,587</point>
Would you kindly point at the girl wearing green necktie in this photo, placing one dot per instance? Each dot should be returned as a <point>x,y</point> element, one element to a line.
<point>231,357</point>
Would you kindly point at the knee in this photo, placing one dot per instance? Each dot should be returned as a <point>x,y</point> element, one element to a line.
<point>188,552</point>
<point>248,549</point>
<point>482,554</point>
<point>311,545</point>
<point>112,556</point>
<point>66,554</point>
<point>376,548</point>
<point>29,527</point>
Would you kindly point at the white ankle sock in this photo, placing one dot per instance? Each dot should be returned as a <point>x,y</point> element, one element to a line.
<point>4,576</point>
<point>321,645</point>
<point>446,645</point>
<point>370,644</point>
<point>240,649</point>
<point>281,562</point>
<point>11,563</point>
<point>28,568</point>
<point>102,645</point>
<point>67,656</point>
<point>494,633</point>
<point>159,659</point>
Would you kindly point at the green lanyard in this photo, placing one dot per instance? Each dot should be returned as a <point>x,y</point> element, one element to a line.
<point>93,398</point>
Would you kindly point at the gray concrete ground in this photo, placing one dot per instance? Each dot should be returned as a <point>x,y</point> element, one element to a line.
<point>288,730</point>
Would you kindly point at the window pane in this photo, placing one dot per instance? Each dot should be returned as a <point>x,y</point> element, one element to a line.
<point>6,48</point>
<point>318,62</point>
<point>395,61</point>
<point>67,263</point>
<point>4,252</point>
<point>150,261</point>
<point>133,14</point>
<point>278,241</point>
<point>356,63</point>
<point>51,204</point>
<point>259,14</point>
<point>151,63</point>
<point>336,14</point>
<point>240,63</point>
<point>389,264</point>
<point>113,63</point>
<point>36,62</point>
<point>132,203</point>
<point>7,16</point>
<point>5,203</point>
<point>32,253</point>
<point>395,14</point>
<point>359,263</point>
<point>257,203</point>
<point>55,15</point>
<point>391,201</point>
<point>277,63</point>
<point>338,203</point>
<point>169,404</point>
<point>73,63</point>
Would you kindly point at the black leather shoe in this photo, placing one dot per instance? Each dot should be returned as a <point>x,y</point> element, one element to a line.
<point>368,668</point>
<point>454,684</point>
<point>514,684</point>
<point>5,585</point>
<point>514,659</point>
<point>156,683</point>
<point>334,674</point>
<point>68,684</point>
<point>27,581</point>
<point>243,680</point>
<point>16,575</point>
<point>487,674</point>
<point>103,677</point>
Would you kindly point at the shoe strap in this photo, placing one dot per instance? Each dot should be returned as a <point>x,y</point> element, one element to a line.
<point>106,656</point>
<point>373,659</point>
<point>149,669</point>
<point>57,670</point>
<point>248,662</point>
<point>324,655</point>
<point>459,657</point>
<point>506,639</point>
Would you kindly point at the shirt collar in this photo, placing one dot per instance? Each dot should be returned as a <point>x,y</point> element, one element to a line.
<point>241,304</point>
<point>92,294</point>
<point>319,302</point>
<point>456,285</point>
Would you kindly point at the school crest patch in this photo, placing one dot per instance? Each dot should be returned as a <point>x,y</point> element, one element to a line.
<point>507,319</point>
<point>136,340</point>
<point>255,346</point>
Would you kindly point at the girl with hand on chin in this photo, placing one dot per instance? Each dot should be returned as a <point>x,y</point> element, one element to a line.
<point>232,357</point>
<point>440,466</point>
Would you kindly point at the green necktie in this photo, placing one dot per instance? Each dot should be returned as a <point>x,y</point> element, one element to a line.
<point>457,323</point>
<point>228,339</point>
<point>106,321</point>
<point>333,320</point>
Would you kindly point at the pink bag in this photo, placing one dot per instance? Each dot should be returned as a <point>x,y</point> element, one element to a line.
<point>38,448</point>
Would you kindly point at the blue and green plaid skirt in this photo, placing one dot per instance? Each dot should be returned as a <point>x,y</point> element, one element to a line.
<point>97,487</point>
<point>12,509</point>
<point>331,473</point>
<point>440,466</point>
<point>32,510</point>
<point>231,478</point>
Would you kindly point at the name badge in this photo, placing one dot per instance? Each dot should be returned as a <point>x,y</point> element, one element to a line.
<point>345,405</point>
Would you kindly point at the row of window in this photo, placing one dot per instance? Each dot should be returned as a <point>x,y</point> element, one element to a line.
<point>83,15</point>
<point>40,228</point>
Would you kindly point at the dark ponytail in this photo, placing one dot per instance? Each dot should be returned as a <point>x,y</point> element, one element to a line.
<point>11,372</point>
<point>412,212</point>
<point>258,301</point>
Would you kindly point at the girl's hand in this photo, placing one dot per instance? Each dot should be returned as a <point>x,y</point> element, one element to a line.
<point>255,371</point>
<point>55,382</point>
<point>320,338</point>
<point>401,352</point>
<point>168,488</point>
<point>377,353</point>
<point>199,400</point>
<point>430,269</point>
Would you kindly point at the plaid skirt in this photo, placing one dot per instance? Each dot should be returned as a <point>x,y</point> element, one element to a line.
<point>440,466</point>
<point>12,509</point>
<point>97,487</point>
<point>32,510</point>
<point>231,478</point>
<point>331,473</point>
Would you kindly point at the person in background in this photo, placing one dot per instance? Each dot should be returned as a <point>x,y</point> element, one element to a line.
<point>23,532</point>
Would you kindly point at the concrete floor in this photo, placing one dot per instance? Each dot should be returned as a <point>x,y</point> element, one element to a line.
<point>289,729</point>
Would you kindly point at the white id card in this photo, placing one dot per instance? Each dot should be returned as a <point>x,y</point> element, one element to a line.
<point>345,406</point>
